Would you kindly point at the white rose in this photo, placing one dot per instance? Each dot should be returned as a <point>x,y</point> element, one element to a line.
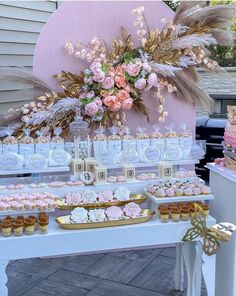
<point>140,83</point>
<point>152,79</point>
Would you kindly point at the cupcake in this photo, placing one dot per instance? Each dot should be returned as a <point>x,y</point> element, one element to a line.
<point>29,226</point>
<point>160,192</point>
<point>185,213</point>
<point>164,215</point>
<point>196,191</point>
<point>20,217</point>
<point>179,192</point>
<point>175,214</point>
<point>170,192</point>
<point>6,227</point>
<point>188,191</point>
<point>205,209</point>
<point>206,189</point>
<point>192,211</point>
<point>43,224</point>
<point>18,227</point>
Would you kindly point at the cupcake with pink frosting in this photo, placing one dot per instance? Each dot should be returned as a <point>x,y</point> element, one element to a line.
<point>188,191</point>
<point>160,192</point>
<point>196,191</point>
<point>170,192</point>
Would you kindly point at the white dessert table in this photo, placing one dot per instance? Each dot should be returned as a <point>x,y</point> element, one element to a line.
<point>223,208</point>
<point>150,234</point>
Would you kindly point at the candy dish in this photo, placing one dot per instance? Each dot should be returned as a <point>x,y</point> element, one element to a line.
<point>65,222</point>
<point>137,198</point>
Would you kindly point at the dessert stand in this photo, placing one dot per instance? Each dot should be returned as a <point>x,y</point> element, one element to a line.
<point>150,234</point>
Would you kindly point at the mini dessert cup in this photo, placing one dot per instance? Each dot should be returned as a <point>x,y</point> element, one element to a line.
<point>205,209</point>
<point>18,227</point>
<point>175,214</point>
<point>29,226</point>
<point>185,213</point>
<point>43,225</point>
<point>10,218</point>
<point>6,227</point>
<point>20,217</point>
<point>192,211</point>
<point>164,215</point>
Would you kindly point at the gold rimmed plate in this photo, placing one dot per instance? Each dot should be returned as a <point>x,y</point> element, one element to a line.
<point>146,216</point>
<point>137,198</point>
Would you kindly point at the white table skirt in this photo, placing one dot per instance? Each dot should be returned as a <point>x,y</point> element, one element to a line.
<point>64,242</point>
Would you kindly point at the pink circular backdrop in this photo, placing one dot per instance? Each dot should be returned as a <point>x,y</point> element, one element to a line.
<point>82,20</point>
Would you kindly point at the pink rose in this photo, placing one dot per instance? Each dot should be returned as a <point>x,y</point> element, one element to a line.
<point>108,83</point>
<point>122,95</point>
<point>98,102</point>
<point>127,104</point>
<point>140,83</point>
<point>91,109</point>
<point>133,69</point>
<point>116,107</point>
<point>119,71</point>
<point>120,81</point>
<point>152,79</point>
<point>98,75</point>
<point>110,101</point>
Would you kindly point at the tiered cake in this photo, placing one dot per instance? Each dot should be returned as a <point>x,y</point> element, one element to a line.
<point>230,139</point>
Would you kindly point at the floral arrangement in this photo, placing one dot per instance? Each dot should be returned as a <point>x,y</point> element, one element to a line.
<point>117,75</point>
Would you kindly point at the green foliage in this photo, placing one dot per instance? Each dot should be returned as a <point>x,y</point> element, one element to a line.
<point>225,56</point>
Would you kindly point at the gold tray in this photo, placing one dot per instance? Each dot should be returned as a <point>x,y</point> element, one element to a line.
<point>137,198</point>
<point>73,226</point>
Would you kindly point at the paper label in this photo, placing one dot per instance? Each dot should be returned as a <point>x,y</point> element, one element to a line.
<point>37,161</point>
<point>11,161</point>
<point>59,157</point>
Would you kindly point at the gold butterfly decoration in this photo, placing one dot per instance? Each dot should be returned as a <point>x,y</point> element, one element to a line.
<point>213,236</point>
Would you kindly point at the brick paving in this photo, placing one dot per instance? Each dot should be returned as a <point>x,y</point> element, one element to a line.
<point>128,273</point>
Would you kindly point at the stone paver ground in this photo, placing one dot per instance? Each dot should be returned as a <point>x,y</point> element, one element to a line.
<point>129,273</point>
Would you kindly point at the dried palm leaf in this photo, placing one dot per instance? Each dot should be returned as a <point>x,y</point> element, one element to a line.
<point>22,75</point>
<point>189,92</point>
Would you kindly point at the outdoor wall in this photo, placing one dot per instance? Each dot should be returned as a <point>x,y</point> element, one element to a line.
<point>20,25</point>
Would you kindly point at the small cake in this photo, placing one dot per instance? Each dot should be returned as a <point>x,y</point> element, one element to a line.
<point>205,209</point>
<point>160,192</point>
<point>122,193</point>
<point>205,189</point>
<point>6,227</point>
<point>120,179</point>
<point>179,191</point>
<point>188,191</point>
<point>18,227</point>
<point>43,224</point>
<point>56,184</point>
<point>142,177</point>
<point>164,214</point>
<point>114,213</point>
<point>132,210</point>
<point>170,192</point>
<point>79,215</point>
<point>111,179</point>
<point>107,196</point>
<point>175,214</point>
<point>192,211</point>
<point>29,226</point>
<point>196,191</point>
<point>185,213</point>
<point>89,196</point>
<point>97,215</point>
<point>151,189</point>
